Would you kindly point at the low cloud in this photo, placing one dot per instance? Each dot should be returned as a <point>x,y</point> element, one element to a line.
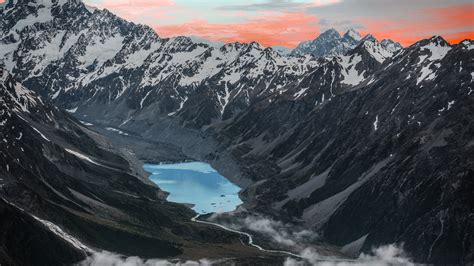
<point>105,258</point>
<point>390,255</point>
<point>279,233</point>
<point>301,241</point>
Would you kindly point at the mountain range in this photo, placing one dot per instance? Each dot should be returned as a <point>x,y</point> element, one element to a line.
<point>330,43</point>
<point>67,192</point>
<point>364,142</point>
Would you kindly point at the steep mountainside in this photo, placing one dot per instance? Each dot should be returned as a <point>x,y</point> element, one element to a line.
<point>25,240</point>
<point>55,169</point>
<point>393,155</point>
<point>383,141</point>
<point>372,145</point>
<point>85,60</point>
<point>387,146</point>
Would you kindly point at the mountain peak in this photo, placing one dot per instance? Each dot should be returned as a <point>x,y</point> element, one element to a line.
<point>373,48</point>
<point>353,34</point>
<point>467,44</point>
<point>256,45</point>
<point>331,33</point>
<point>438,40</point>
<point>435,41</point>
<point>369,38</point>
<point>391,45</point>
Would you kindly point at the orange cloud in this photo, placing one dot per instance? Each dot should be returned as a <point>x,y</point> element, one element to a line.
<point>134,9</point>
<point>459,36</point>
<point>454,23</point>
<point>287,29</point>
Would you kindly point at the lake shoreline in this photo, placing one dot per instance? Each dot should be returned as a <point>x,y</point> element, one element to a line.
<point>196,185</point>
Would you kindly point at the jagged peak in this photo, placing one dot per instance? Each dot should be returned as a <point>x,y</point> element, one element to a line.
<point>467,44</point>
<point>241,45</point>
<point>256,45</point>
<point>373,48</point>
<point>91,9</point>
<point>432,42</point>
<point>432,49</point>
<point>369,38</point>
<point>233,45</point>
<point>391,45</point>
<point>438,40</point>
<point>353,34</point>
<point>389,41</point>
<point>330,33</point>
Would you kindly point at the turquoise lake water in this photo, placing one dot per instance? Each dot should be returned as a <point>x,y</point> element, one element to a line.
<point>196,183</point>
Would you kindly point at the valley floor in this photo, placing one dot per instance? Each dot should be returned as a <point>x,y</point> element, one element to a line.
<point>253,248</point>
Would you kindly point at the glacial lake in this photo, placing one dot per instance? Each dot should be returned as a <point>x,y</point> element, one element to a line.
<point>196,183</point>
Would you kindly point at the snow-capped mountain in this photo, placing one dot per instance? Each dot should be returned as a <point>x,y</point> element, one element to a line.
<point>347,129</point>
<point>87,58</point>
<point>389,152</point>
<point>63,169</point>
<point>330,43</point>
<point>63,172</point>
<point>67,192</point>
<point>84,60</point>
<point>391,46</point>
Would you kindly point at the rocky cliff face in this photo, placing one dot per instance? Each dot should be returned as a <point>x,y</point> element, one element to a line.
<point>392,155</point>
<point>27,241</point>
<point>374,134</point>
<point>85,59</point>
<point>72,177</point>
<point>83,194</point>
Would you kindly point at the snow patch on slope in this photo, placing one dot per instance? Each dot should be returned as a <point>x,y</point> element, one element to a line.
<point>437,51</point>
<point>102,50</point>
<point>376,50</point>
<point>349,72</point>
<point>81,156</point>
<point>59,232</point>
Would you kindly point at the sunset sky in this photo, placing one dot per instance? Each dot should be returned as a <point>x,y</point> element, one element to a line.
<point>288,22</point>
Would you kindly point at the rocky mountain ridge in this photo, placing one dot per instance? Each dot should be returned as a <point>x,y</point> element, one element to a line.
<point>127,67</point>
<point>330,43</point>
<point>67,185</point>
<point>393,153</point>
<point>109,61</point>
<point>376,135</point>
